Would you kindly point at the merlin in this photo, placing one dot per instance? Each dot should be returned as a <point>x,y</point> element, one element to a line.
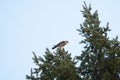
<point>60,44</point>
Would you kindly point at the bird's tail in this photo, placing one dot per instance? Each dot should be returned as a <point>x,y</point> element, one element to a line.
<point>54,47</point>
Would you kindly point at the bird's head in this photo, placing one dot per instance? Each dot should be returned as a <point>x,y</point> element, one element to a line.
<point>66,42</point>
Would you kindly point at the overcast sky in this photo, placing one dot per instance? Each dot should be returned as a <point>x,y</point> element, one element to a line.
<point>34,25</point>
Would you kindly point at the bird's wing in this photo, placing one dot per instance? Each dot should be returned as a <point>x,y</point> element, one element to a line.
<point>60,44</point>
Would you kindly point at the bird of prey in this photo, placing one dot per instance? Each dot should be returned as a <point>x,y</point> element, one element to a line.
<point>60,44</point>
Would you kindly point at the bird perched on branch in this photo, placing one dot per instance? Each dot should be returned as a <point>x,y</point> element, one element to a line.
<point>60,44</point>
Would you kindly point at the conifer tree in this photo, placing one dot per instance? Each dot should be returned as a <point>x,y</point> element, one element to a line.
<point>100,59</point>
<point>58,65</point>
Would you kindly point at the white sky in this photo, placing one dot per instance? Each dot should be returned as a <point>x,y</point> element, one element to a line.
<point>34,25</point>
